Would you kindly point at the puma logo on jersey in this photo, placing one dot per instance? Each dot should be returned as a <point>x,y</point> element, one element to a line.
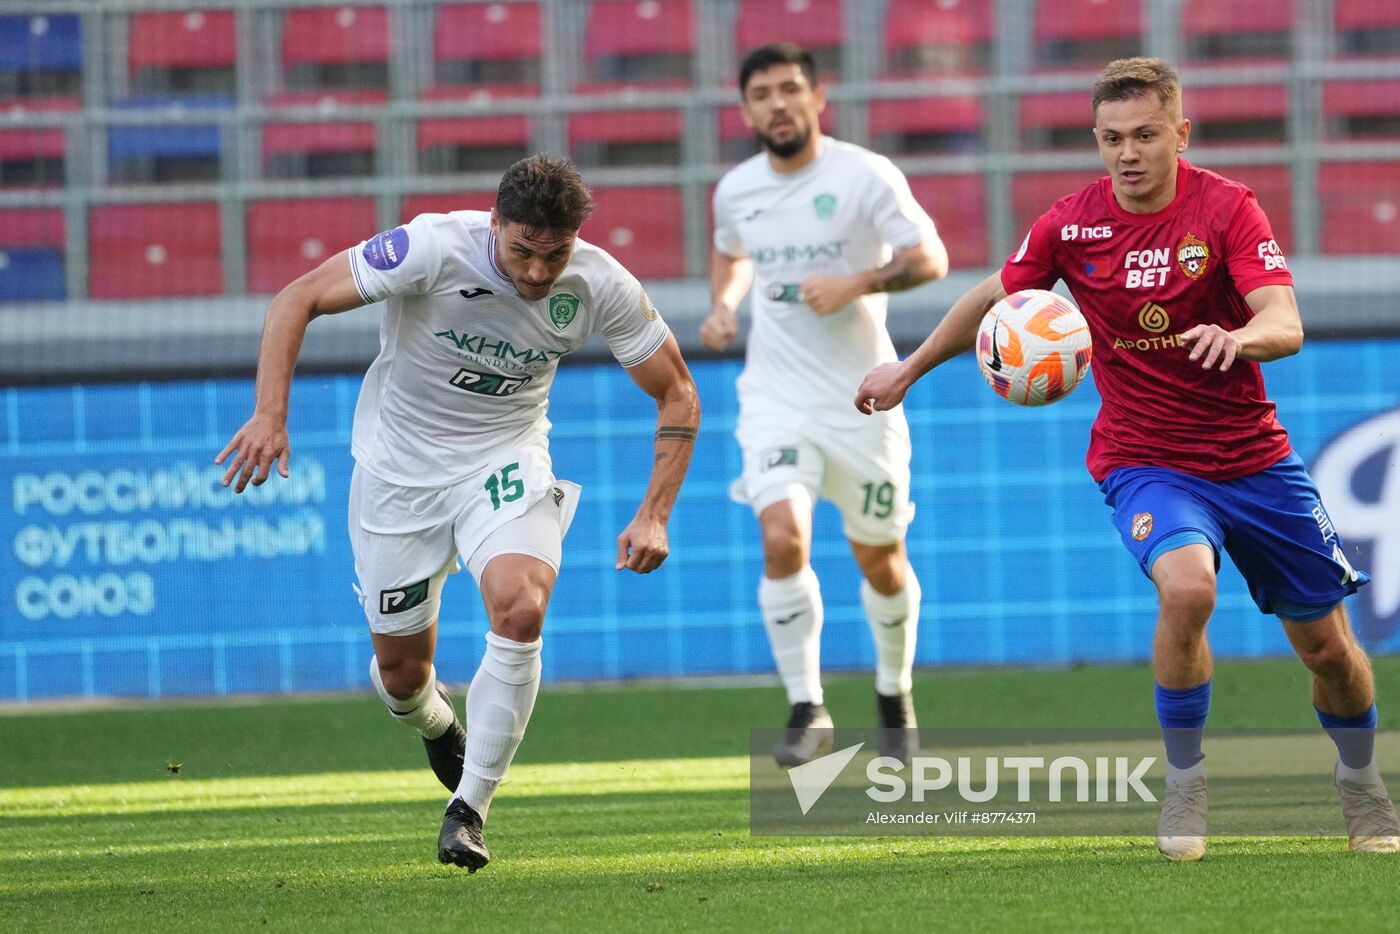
<point>476,292</point>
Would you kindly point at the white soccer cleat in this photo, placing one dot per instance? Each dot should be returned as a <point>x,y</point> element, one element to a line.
<point>1181,831</point>
<point>1372,826</point>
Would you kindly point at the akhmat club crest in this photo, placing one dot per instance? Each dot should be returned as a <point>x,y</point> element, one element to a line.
<point>1193,256</point>
<point>563,307</point>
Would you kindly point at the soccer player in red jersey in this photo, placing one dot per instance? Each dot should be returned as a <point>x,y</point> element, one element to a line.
<point>1186,292</point>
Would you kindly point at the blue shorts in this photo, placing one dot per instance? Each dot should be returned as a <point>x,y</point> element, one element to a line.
<point>1271,523</point>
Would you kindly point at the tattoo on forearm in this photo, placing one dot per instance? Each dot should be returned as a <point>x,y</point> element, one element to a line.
<point>675,433</point>
<point>895,276</point>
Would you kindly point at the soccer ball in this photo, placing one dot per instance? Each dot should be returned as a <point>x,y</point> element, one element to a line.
<point>1033,347</point>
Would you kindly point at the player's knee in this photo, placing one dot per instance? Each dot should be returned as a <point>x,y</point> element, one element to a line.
<point>1328,657</point>
<point>784,548</point>
<point>404,677</point>
<point>886,576</point>
<point>518,615</point>
<point>1187,604</point>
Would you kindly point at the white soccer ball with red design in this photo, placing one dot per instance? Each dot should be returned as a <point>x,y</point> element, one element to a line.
<point>1033,347</point>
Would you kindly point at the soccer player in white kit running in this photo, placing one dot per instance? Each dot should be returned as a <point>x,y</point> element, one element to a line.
<point>451,450</point>
<point>821,228</point>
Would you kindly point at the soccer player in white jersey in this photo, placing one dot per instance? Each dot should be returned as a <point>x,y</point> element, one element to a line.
<point>821,229</point>
<point>451,451</point>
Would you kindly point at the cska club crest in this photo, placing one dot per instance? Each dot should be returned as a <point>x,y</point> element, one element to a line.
<point>1193,256</point>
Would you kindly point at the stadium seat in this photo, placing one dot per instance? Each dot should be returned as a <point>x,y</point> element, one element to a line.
<point>816,25</point>
<point>336,48</point>
<point>642,227</point>
<point>33,157</point>
<point>649,135</point>
<point>321,148</point>
<point>926,124</point>
<point>1360,208</point>
<point>139,251</point>
<point>958,205</point>
<point>1237,114</point>
<point>445,202</point>
<point>1056,120</point>
<point>487,43</point>
<point>1367,28</point>
<point>1365,110</point>
<point>191,52</point>
<point>1271,186</point>
<point>465,143</point>
<point>1087,33</point>
<point>638,40</point>
<point>1032,193</point>
<point>41,56</point>
<point>937,37</point>
<point>166,152</point>
<point>1236,34</point>
<point>288,238</point>
<point>31,255</point>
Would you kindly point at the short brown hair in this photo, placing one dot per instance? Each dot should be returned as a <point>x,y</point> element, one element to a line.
<point>1127,78</point>
<point>776,53</point>
<point>541,193</point>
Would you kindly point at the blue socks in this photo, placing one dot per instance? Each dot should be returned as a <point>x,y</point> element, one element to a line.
<point>1355,736</point>
<point>1182,715</point>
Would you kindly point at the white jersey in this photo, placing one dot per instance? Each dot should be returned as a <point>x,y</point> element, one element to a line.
<point>847,212</point>
<point>465,363</point>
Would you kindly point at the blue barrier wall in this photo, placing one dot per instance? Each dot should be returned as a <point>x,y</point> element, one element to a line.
<point>127,570</point>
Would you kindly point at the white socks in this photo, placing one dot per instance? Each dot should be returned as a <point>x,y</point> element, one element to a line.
<point>499,703</point>
<point>792,614</point>
<point>425,711</point>
<point>1369,774</point>
<point>894,623</point>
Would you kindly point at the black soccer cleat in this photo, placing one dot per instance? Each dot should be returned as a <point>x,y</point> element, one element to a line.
<point>808,735</point>
<point>447,752</point>
<point>899,731</point>
<point>460,841</point>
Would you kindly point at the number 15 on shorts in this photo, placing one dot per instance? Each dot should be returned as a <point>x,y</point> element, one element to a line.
<point>503,488</point>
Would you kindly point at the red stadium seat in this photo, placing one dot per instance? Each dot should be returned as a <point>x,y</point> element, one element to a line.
<point>1271,186</point>
<point>932,37</point>
<point>139,251</point>
<point>642,227</point>
<point>926,124</point>
<point>288,238</point>
<point>1235,33</point>
<point>40,143</point>
<point>651,125</point>
<point>197,39</point>
<point>632,39</point>
<point>1360,208</point>
<point>816,25</point>
<point>1367,28</point>
<point>1032,193</point>
<point>1235,114</point>
<point>1367,109</point>
<point>343,137</point>
<point>1056,120</point>
<point>958,205</point>
<point>443,203</point>
<point>503,130</point>
<point>335,36</point>
<point>23,227</point>
<point>1087,32</point>
<point>488,32</point>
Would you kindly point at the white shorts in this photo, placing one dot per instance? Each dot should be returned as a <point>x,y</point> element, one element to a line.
<point>406,540</point>
<point>863,470</point>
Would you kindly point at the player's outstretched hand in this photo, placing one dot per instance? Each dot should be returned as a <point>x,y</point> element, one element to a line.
<point>719,329</point>
<point>1212,341</point>
<point>642,546</point>
<point>883,389</point>
<point>261,442</point>
<point>826,294</point>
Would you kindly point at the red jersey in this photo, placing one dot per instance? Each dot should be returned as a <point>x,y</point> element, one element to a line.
<point>1143,279</point>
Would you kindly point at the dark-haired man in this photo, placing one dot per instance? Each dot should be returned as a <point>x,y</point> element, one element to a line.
<point>451,448</point>
<point>823,229</point>
<point>1186,292</point>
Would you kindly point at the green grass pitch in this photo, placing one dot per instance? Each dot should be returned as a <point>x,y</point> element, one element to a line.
<point>626,810</point>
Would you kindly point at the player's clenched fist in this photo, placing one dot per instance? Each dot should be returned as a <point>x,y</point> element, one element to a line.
<point>642,546</point>
<point>719,329</point>
<point>882,389</point>
<point>261,442</point>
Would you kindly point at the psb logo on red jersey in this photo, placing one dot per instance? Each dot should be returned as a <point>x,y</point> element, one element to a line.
<point>1193,256</point>
<point>1076,232</point>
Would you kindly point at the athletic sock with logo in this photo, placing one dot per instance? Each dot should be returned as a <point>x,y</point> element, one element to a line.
<point>792,614</point>
<point>499,703</point>
<point>894,623</point>
<point>425,711</point>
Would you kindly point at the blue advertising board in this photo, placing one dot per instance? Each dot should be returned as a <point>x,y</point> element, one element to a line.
<point>128,570</point>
